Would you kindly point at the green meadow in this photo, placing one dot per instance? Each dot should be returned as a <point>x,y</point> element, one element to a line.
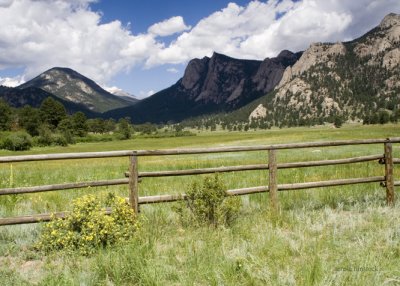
<point>332,236</point>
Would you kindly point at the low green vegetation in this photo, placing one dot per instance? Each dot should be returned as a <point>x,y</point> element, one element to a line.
<point>331,236</point>
<point>208,203</point>
<point>50,125</point>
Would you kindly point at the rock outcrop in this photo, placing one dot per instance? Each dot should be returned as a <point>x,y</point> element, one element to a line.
<point>385,39</point>
<point>315,54</point>
<point>259,112</point>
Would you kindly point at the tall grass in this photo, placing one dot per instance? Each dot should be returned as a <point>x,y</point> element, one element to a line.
<point>331,236</point>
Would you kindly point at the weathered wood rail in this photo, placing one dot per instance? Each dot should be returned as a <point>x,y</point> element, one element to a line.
<point>133,177</point>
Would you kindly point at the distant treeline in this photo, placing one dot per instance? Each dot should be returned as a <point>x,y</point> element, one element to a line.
<point>50,124</point>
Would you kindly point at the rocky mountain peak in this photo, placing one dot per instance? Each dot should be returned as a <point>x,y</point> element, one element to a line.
<point>385,40</point>
<point>72,86</point>
<point>390,20</point>
<point>285,54</point>
<point>315,54</point>
<point>222,79</point>
<point>193,73</point>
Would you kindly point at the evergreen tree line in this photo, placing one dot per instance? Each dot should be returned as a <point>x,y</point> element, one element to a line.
<point>50,124</point>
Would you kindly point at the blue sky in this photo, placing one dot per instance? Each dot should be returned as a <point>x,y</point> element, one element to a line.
<point>143,46</point>
<point>143,14</point>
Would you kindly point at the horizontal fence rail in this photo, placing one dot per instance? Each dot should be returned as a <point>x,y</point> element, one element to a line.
<point>133,177</point>
<point>58,187</point>
<point>257,167</point>
<point>91,155</point>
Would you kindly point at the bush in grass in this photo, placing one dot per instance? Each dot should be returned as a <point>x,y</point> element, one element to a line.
<point>45,137</point>
<point>208,203</point>
<point>18,141</point>
<point>88,228</point>
<point>59,140</point>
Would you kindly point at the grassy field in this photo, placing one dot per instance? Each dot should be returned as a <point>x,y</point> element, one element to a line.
<point>331,236</point>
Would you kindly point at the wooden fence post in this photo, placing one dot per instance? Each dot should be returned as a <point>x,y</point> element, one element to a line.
<point>273,186</point>
<point>389,180</point>
<point>134,183</point>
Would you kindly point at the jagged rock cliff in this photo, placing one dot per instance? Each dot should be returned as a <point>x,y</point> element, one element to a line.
<point>215,84</point>
<point>221,79</point>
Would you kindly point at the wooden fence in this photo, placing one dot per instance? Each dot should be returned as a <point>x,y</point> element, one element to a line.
<point>133,177</point>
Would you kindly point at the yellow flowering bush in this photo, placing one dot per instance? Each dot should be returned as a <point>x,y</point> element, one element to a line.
<point>88,227</point>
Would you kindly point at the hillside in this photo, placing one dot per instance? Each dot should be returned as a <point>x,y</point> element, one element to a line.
<point>210,85</point>
<point>352,81</point>
<point>33,96</point>
<point>71,86</point>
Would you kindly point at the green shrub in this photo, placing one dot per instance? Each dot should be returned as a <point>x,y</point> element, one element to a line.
<point>59,140</point>
<point>208,203</point>
<point>18,141</point>
<point>45,137</point>
<point>88,228</point>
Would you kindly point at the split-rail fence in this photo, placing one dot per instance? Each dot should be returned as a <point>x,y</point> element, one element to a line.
<point>133,176</point>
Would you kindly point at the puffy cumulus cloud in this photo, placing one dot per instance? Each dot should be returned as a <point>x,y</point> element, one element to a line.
<point>305,23</point>
<point>263,29</point>
<point>12,81</point>
<point>169,27</point>
<point>223,31</point>
<point>42,34</point>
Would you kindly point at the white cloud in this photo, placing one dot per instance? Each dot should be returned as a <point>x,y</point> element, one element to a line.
<point>11,81</point>
<point>172,70</point>
<point>41,34</point>
<point>117,91</point>
<point>263,29</point>
<point>169,27</point>
<point>144,94</point>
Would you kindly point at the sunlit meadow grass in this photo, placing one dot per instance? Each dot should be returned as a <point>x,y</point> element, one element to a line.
<point>331,236</point>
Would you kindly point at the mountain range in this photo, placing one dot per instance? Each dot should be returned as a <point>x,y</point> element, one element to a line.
<point>210,85</point>
<point>346,79</point>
